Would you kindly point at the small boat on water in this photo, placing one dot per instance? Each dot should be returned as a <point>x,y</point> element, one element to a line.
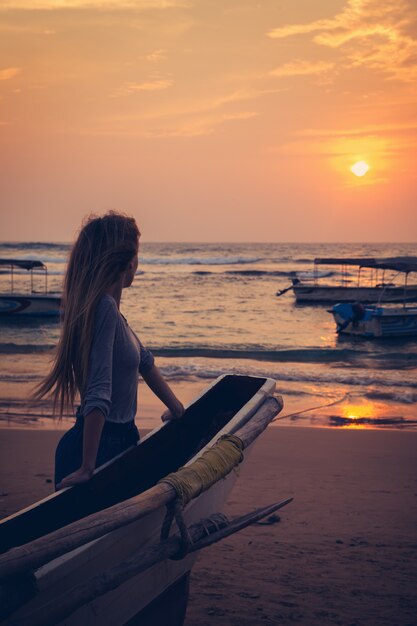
<point>55,551</point>
<point>376,287</point>
<point>29,303</point>
<point>375,321</point>
<point>380,320</point>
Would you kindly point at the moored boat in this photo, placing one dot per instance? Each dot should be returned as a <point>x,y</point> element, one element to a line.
<point>52,560</point>
<point>42,303</point>
<point>381,320</point>
<point>375,321</point>
<point>376,287</point>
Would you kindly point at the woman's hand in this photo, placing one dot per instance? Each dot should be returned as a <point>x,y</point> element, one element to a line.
<point>77,477</point>
<point>174,413</point>
<point>155,381</point>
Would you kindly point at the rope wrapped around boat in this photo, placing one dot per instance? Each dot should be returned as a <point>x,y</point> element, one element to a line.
<point>213,464</point>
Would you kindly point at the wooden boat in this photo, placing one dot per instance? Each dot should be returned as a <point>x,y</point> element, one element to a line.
<point>77,532</point>
<point>377,287</point>
<point>32,303</point>
<point>381,320</point>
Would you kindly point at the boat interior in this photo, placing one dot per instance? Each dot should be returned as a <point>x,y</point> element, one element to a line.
<point>137,469</point>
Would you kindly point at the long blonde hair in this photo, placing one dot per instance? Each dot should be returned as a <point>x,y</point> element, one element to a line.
<point>102,251</point>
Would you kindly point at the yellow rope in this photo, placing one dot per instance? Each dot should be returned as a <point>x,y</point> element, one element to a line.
<point>214,464</point>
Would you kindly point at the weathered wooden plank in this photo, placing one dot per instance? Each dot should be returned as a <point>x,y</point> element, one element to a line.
<point>203,534</point>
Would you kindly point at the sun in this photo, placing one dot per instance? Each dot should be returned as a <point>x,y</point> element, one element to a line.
<point>360,168</point>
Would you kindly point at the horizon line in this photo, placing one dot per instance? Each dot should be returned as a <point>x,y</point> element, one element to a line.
<point>196,242</point>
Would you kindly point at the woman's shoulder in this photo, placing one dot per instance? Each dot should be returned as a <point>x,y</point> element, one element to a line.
<point>106,318</point>
<point>106,307</point>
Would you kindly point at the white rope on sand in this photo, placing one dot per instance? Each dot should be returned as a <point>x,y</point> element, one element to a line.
<point>313,408</point>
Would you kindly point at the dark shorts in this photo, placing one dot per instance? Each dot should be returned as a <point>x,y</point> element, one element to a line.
<point>115,438</point>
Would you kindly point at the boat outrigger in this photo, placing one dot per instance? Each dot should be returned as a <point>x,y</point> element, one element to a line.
<point>32,303</point>
<point>377,286</point>
<point>100,552</point>
<point>380,320</point>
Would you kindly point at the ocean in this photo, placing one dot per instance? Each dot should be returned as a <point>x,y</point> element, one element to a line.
<point>210,309</point>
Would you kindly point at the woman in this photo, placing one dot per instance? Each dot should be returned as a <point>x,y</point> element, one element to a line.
<point>99,357</point>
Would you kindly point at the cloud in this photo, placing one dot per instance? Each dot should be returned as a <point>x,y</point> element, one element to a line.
<point>357,16</point>
<point>152,85</point>
<point>238,96</point>
<point>189,127</point>
<point>9,72</point>
<point>200,107</point>
<point>49,5</point>
<point>373,129</point>
<point>188,119</point>
<point>28,29</point>
<point>299,29</point>
<point>156,56</point>
<point>366,142</point>
<point>367,148</point>
<point>302,68</point>
<point>368,33</point>
<point>243,115</point>
<point>200,126</point>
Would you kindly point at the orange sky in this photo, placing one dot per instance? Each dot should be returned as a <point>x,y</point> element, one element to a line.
<point>209,120</point>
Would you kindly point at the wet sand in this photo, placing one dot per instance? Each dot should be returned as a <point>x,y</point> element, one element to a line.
<point>344,551</point>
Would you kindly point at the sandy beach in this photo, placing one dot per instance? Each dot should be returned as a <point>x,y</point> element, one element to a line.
<point>344,551</point>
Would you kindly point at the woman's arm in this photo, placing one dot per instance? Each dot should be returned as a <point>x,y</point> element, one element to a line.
<point>93,426</point>
<point>97,399</point>
<point>156,382</point>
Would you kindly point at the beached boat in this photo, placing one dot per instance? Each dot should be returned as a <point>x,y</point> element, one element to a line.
<point>373,290</point>
<point>381,320</point>
<point>56,550</point>
<point>31,303</point>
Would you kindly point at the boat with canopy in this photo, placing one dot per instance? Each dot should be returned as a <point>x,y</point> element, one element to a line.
<point>33,302</point>
<point>375,281</point>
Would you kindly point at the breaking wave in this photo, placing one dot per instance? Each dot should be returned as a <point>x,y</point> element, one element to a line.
<point>338,357</point>
<point>398,389</point>
<point>220,260</point>
<point>36,245</point>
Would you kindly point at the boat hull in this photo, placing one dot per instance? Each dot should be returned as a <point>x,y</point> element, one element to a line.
<point>231,400</point>
<point>42,305</point>
<point>120,605</point>
<point>376,321</point>
<point>328,294</point>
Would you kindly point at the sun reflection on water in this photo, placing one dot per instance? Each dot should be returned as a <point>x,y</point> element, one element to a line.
<point>358,416</point>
